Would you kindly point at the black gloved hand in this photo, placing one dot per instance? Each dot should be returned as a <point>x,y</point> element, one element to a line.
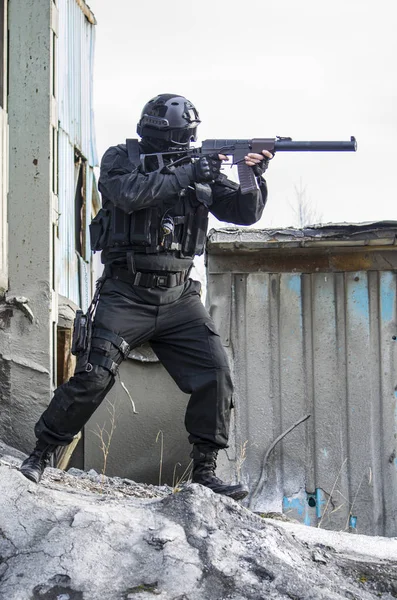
<point>207,168</point>
<point>261,167</point>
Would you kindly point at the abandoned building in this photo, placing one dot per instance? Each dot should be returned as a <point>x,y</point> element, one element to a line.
<point>308,316</point>
<point>48,197</point>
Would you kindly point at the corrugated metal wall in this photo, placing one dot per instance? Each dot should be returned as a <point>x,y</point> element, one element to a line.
<point>321,344</point>
<point>3,147</point>
<point>3,199</point>
<point>75,134</point>
<point>67,260</point>
<point>76,44</point>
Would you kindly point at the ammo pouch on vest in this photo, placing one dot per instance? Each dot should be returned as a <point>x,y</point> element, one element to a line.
<point>194,232</point>
<point>115,228</point>
<point>138,228</point>
<point>140,231</point>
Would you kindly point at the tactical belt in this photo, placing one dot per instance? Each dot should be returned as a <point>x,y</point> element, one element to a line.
<point>148,280</point>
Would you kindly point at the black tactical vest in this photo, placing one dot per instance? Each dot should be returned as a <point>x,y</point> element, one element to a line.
<point>149,230</point>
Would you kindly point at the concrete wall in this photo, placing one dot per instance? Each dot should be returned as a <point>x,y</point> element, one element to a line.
<point>50,62</point>
<point>308,319</point>
<point>133,449</point>
<point>26,337</point>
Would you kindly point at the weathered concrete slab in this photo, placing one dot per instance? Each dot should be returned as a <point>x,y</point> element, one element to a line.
<point>78,537</point>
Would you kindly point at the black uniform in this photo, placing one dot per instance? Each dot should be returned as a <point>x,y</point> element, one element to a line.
<point>152,224</point>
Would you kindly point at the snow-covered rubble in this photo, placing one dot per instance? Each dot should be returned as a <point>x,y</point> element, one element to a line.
<point>79,536</point>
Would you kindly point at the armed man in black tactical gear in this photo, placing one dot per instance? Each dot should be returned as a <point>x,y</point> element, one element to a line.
<point>152,225</point>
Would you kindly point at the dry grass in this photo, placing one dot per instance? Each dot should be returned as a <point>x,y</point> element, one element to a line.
<point>241,458</point>
<point>105,434</point>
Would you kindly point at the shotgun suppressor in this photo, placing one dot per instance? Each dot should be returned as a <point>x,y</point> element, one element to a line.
<point>237,149</point>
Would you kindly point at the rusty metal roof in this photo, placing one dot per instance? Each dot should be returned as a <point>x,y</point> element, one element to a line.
<point>378,233</point>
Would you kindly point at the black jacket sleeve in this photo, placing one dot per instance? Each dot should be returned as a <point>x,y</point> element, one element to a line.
<point>230,205</point>
<point>130,189</point>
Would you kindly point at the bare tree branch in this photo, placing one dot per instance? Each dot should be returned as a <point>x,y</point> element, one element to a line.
<point>306,213</point>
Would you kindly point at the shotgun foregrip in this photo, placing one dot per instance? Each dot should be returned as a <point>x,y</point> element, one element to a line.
<point>259,144</point>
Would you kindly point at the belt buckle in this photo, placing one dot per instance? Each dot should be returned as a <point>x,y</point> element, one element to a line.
<point>161,280</point>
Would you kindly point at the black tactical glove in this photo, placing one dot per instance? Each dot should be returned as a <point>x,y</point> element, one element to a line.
<point>207,168</point>
<point>261,167</point>
<point>204,170</point>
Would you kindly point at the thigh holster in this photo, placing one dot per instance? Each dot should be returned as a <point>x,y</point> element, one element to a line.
<point>108,350</point>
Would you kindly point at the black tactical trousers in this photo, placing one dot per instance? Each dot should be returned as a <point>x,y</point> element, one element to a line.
<point>183,337</point>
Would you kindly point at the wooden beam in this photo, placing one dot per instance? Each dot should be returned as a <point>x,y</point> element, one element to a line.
<point>87,12</point>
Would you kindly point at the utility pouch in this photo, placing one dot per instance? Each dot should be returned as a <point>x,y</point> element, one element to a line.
<point>82,331</point>
<point>141,227</point>
<point>203,193</point>
<point>99,228</point>
<point>119,230</point>
<point>81,328</point>
<point>194,232</point>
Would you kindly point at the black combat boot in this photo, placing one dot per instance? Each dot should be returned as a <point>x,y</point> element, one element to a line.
<point>33,466</point>
<point>204,465</point>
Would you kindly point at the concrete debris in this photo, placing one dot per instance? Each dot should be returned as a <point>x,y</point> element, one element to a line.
<point>25,362</point>
<point>143,353</point>
<point>66,312</point>
<point>84,536</point>
<point>21,303</point>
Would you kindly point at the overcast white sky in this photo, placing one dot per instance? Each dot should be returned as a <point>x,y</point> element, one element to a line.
<point>309,70</point>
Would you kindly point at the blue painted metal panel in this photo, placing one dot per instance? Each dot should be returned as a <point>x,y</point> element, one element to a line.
<point>67,263</point>
<point>387,391</point>
<point>319,343</point>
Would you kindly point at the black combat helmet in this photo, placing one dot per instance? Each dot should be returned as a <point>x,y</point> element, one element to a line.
<point>169,121</point>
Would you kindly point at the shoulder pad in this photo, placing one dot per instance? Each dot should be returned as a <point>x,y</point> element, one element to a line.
<point>114,151</point>
<point>115,157</point>
<point>132,146</point>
